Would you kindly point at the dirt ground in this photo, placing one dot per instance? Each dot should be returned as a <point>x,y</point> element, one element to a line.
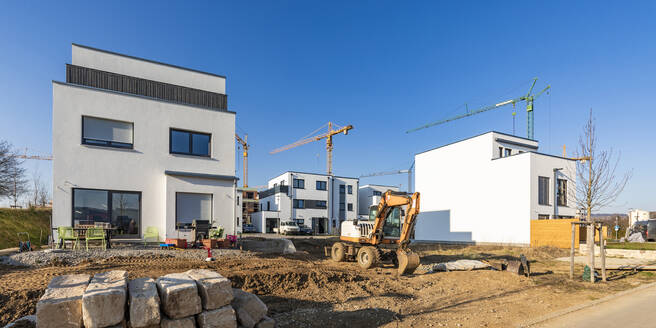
<point>307,290</point>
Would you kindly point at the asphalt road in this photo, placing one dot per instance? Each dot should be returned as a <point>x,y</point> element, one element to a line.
<point>635,309</point>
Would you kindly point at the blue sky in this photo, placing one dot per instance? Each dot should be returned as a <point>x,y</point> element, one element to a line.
<point>382,66</point>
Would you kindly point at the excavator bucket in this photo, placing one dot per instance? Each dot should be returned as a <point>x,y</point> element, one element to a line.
<point>408,261</point>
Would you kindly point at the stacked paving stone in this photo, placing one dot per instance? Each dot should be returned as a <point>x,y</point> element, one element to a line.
<point>196,298</point>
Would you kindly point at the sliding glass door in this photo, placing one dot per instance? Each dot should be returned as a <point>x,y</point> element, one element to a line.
<point>120,209</point>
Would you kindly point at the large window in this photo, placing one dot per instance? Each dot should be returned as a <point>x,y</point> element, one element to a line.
<point>543,190</point>
<point>321,204</point>
<point>120,209</point>
<point>350,189</point>
<point>192,206</point>
<point>189,143</point>
<point>377,193</point>
<point>299,183</point>
<point>562,192</point>
<point>350,207</point>
<point>321,185</point>
<point>103,132</point>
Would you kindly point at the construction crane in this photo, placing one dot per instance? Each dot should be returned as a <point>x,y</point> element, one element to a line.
<point>408,171</point>
<point>37,157</point>
<point>529,98</point>
<point>244,146</point>
<point>329,142</point>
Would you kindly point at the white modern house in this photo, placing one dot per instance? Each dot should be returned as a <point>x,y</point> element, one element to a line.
<point>487,188</point>
<point>138,144</point>
<point>369,195</point>
<point>636,215</point>
<point>318,201</point>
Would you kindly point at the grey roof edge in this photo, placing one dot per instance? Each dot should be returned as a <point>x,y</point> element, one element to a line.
<point>140,96</point>
<point>321,174</point>
<point>377,185</point>
<point>534,153</point>
<point>476,136</point>
<point>515,143</point>
<point>202,175</point>
<point>147,60</point>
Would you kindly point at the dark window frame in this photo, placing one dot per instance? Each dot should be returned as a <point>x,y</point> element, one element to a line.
<point>321,204</point>
<point>297,203</point>
<point>543,198</point>
<point>321,182</point>
<point>106,143</point>
<point>507,152</point>
<point>109,206</point>
<point>349,207</point>
<point>296,183</point>
<point>377,193</point>
<point>349,189</point>
<point>562,192</point>
<point>197,193</point>
<point>191,142</point>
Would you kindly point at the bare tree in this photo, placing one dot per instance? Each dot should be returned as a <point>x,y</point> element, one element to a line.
<point>44,196</point>
<point>598,185</point>
<point>12,174</point>
<point>37,184</point>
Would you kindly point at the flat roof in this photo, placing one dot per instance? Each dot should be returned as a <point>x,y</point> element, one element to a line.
<point>201,175</point>
<point>377,185</point>
<point>147,60</point>
<point>324,175</point>
<point>535,153</point>
<point>476,136</point>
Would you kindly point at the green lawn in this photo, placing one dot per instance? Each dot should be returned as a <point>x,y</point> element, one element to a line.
<point>640,246</point>
<point>34,221</point>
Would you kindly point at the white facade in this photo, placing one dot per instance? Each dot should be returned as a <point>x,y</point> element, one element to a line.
<point>148,168</point>
<point>485,189</point>
<point>638,215</point>
<point>308,202</point>
<point>369,195</point>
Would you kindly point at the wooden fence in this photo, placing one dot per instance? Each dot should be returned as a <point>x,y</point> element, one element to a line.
<point>558,233</point>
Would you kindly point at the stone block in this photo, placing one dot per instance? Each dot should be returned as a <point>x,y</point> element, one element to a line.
<point>178,295</point>
<point>143,303</point>
<point>266,322</point>
<point>223,317</point>
<point>215,290</point>
<point>249,308</point>
<point>103,303</point>
<point>61,304</point>
<point>188,322</point>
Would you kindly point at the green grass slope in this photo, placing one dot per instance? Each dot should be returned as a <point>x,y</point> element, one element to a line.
<point>34,221</point>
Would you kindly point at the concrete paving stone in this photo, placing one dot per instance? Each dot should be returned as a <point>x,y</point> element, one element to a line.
<point>249,308</point>
<point>266,322</point>
<point>143,302</point>
<point>103,303</point>
<point>178,295</point>
<point>215,290</point>
<point>223,317</point>
<point>188,322</point>
<point>61,304</point>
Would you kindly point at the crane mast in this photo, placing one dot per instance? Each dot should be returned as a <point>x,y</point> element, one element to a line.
<point>244,146</point>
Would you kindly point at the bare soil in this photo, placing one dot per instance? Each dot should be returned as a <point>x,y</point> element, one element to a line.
<point>307,290</point>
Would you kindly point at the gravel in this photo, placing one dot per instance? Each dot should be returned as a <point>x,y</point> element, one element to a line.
<point>74,257</point>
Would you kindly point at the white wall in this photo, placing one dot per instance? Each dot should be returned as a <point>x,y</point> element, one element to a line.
<point>131,66</point>
<point>469,194</point>
<point>142,168</point>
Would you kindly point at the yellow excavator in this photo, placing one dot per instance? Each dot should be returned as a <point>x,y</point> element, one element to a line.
<point>383,237</point>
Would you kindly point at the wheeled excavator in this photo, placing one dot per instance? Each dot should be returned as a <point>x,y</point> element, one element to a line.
<point>383,237</point>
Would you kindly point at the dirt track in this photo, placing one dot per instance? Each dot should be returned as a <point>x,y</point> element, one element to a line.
<point>305,289</point>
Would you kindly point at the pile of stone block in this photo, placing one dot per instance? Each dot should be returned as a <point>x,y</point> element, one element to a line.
<point>196,298</point>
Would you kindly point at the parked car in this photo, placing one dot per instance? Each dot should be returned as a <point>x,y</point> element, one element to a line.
<point>248,228</point>
<point>647,228</point>
<point>305,230</point>
<point>287,228</point>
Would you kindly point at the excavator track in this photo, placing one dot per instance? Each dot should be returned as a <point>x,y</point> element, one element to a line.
<point>408,261</point>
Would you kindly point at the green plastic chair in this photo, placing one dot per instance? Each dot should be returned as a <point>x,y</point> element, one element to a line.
<point>96,234</point>
<point>151,232</point>
<point>67,234</point>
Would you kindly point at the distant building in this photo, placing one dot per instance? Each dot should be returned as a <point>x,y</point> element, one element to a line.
<point>638,215</point>
<point>318,201</point>
<point>369,195</point>
<point>487,188</point>
<point>250,201</point>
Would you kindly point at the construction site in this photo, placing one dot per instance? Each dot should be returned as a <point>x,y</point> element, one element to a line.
<point>359,176</point>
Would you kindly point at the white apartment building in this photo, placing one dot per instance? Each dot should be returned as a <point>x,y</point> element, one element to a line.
<point>487,188</point>
<point>318,201</point>
<point>138,144</point>
<point>636,215</point>
<point>369,195</point>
